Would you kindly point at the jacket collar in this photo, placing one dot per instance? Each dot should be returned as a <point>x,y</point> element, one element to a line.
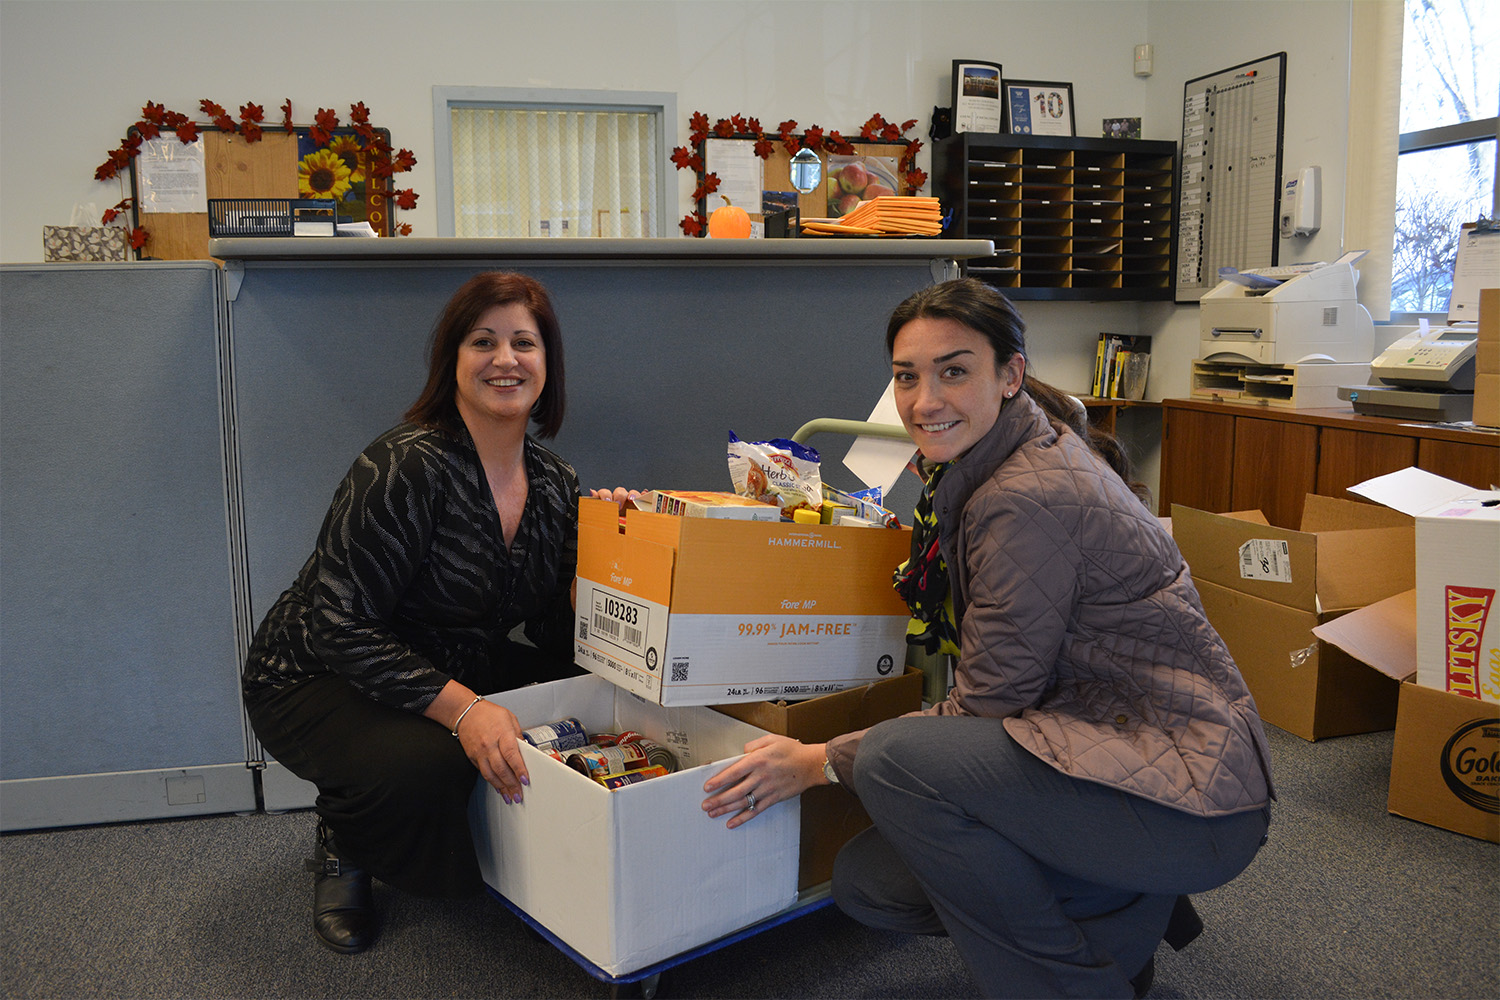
<point>1020,420</point>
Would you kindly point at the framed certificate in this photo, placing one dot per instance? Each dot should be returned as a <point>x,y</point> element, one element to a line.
<point>976,96</point>
<point>1035,107</point>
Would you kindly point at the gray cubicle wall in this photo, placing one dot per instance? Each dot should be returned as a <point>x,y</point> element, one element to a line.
<point>663,359</point>
<point>119,694</point>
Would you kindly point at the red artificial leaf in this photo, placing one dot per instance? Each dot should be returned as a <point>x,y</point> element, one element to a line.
<point>147,129</point>
<point>890,133</point>
<point>138,238</point>
<point>698,122</point>
<point>187,132</point>
<point>106,170</point>
<point>692,225</point>
<point>359,114</point>
<point>252,113</point>
<point>211,109</point>
<point>908,125</point>
<point>786,129</point>
<point>792,144</point>
<point>131,144</point>
<point>110,215</point>
<point>739,123</point>
<point>250,131</point>
<point>224,123</point>
<point>753,126</point>
<point>174,120</point>
<point>813,138</point>
<point>324,122</point>
<point>154,113</point>
<point>763,148</point>
<point>366,132</point>
<point>682,157</point>
<point>710,184</point>
<point>724,128</point>
<point>404,161</point>
<point>286,116</point>
<point>381,166</point>
<point>839,144</point>
<point>915,179</point>
<point>404,229</point>
<point>406,199</point>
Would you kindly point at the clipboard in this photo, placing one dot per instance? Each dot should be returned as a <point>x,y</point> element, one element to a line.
<point>1477,266</point>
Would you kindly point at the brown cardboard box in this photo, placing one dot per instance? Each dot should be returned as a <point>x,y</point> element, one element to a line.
<point>1445,763</point>
<point>1266,588</point>
<point>831,815</point>
<point>1487,360</point>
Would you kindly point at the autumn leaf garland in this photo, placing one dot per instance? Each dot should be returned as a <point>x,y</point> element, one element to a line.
<point>385,162</point>
<point>690,157</point>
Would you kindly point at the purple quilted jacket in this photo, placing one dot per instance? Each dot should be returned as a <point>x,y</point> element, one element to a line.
<point>1081,628</point>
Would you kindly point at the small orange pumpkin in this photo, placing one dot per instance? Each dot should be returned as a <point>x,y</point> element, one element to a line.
<point>728,221</point>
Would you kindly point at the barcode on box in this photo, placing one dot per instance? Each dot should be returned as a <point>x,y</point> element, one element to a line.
<point>619,622</point>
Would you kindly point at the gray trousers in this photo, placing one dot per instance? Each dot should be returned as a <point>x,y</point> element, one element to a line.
<point>1048,885</point>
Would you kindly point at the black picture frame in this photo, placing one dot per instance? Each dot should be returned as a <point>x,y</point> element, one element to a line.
<point>1039,107</point>
<point>977,98</point>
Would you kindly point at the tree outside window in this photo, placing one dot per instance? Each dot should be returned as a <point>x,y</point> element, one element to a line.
<point>1450,107</point>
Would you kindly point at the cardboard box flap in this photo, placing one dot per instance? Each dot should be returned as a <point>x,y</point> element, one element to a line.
<point>1410,490</point>
<point>1364,565</point>
<point>1382,635</point>
<point>1262,560</point>
<point>1320,513</point>
<point>596,513</point>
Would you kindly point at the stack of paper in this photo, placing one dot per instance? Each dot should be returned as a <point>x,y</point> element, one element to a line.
<point>889,215</point>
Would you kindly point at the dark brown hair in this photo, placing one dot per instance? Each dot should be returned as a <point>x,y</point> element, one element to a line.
<point>990,314</point>
<point>436,406</point>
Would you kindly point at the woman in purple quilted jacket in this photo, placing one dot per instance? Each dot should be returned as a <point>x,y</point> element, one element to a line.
<point>1098,757</point>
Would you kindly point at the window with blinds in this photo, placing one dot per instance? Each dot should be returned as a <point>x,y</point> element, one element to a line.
<point>537,171</point>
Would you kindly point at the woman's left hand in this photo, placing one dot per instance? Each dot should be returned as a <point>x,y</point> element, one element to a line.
<point>619,495</point>
<point>773,769</point>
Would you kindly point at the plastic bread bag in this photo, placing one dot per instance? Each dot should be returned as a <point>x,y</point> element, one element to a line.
<point>779,471</point>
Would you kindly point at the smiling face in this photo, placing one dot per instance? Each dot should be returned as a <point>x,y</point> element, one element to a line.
<point>501,367</point>
<point>948,387</point>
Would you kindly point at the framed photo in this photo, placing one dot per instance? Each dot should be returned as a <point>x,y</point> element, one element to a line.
<point>1036,107</point>
<point>976,96</point>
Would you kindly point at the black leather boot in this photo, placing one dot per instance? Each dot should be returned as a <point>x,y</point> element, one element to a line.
<point>343,907</point>
<point>1184,925</point>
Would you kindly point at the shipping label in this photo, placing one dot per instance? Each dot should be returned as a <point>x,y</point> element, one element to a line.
<point>1266,559</point>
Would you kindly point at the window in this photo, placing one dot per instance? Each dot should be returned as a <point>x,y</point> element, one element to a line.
<point>553,163</point>
<point>1445,174</point>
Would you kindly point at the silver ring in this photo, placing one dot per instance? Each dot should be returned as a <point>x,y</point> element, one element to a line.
<point>749,801</point>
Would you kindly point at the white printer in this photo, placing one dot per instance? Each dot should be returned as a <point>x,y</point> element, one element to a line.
<point>1287,315</point>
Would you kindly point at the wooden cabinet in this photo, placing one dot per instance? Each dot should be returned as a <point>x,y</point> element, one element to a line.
<point>1071,218</point>
<point>1226,456</point>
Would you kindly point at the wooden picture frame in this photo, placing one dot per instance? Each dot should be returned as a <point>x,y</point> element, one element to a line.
<point>978,101</point>
<point>1039,107</point>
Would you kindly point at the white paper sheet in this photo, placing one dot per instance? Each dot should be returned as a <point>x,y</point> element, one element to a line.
<point>879,461</point>
<point>171,176</point>
<point>741,173</point>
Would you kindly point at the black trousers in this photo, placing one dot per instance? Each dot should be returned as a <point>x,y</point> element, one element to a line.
<point>393,786</point>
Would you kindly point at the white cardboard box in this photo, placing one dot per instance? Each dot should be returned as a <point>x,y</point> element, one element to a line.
<point>633,876</point>
<point>1458,574</point>
<point>697,611</point>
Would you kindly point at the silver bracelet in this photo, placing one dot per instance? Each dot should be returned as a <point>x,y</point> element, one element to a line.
<point>461,715</point>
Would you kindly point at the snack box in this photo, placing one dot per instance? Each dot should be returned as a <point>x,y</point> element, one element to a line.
<point>702,503</point>
<point>1445,761</point>
<point>699,611</point>
<point>1266,588</point>
<point>831,814</point>
<point>632,876</point>
<point>1458,574</point>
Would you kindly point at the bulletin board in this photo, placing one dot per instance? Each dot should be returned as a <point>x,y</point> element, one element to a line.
<point>1229,189</point>
<point>777,176</point>
<point>234,168</point>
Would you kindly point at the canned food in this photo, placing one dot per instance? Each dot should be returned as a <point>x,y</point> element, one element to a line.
<point>606,761</point>
<point>563,734</point>
<point>614,781</point>
<point>655,752</point>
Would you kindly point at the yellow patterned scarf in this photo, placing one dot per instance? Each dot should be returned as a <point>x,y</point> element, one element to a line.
<point>922,581</point>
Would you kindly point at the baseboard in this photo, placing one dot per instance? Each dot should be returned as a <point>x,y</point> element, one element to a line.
<point>281,790</point>
<point>122,796</point>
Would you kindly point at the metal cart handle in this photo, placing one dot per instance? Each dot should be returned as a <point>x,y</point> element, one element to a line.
<point>855,428</point>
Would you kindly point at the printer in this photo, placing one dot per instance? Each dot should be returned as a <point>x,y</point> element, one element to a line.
<point>1299,314</point>
<point>1426,375</point>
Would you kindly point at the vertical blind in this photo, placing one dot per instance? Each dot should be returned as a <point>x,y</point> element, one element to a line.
<point>526,172</point>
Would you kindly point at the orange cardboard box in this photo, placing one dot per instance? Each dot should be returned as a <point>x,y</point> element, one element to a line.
<point>699,611</point>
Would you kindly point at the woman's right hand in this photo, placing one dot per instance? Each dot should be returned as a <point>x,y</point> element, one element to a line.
<point>489,733</point>
<point>619,495</point>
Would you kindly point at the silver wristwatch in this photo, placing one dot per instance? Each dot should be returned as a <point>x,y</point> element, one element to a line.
<point>829,772</point>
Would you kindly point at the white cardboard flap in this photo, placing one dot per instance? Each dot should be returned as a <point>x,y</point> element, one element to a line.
<point>1410,490</point>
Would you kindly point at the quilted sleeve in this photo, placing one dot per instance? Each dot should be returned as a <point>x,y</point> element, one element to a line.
<point>1020,572</point>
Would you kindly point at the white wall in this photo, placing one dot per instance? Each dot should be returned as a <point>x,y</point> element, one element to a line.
<point>74,76</point>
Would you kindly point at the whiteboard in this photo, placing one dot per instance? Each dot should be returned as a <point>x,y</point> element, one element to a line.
<point>1230,173</point>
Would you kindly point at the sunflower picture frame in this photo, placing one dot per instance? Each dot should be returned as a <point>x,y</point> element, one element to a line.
<point>340,170</point>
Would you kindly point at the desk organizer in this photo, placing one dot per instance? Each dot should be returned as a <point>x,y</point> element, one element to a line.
<point>272,217</point>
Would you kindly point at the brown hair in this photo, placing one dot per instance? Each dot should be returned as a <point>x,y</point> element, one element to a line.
<point>990,314</point>
<point>436,406</point>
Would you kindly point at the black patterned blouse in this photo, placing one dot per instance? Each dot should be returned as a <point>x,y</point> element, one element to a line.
<point>411,583</point>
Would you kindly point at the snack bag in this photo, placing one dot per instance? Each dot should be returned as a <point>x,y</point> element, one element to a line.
<point>779,471</point>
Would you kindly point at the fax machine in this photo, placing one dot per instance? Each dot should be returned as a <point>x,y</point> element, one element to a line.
<point>1426,375</point>
<point>1287,315</point>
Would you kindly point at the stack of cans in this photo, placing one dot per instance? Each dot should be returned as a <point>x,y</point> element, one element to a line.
<point>614,760</point>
